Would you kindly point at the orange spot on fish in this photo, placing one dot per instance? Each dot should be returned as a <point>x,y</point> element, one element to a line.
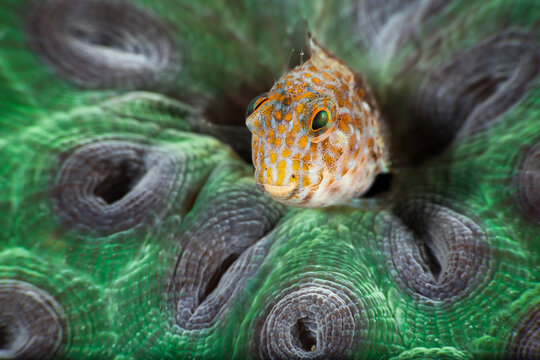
<point>304,95</point>
<point>267,110</point>
<point>299,109</point>
<point>286,153</point>
<point>303,142</point>
<point>289,140</point>
<point>344,123</point>
<point>329,160</point>
<point>334,89</point>
<point>281,167</point>
<point>268,176</point>
<point>288,116</point>
<point>336,151</point>
<point>273,157</point>
<point>328,76</point>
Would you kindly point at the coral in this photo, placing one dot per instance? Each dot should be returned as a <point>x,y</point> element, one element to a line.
<point>132,227</point>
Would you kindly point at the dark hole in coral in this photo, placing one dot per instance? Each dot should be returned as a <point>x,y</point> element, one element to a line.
<point>307,338</point>
<point>426,250</point>
<point>119,181</point>
<point>431,261</point>
<point>6,337</point>
<point>380,185</point>
<point>218,274</point>
<point>483,88</point>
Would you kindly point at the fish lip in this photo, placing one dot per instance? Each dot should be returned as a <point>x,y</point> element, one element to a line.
<point>270,189</point>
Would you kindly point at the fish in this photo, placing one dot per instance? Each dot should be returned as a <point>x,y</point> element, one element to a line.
<point>318,137</point>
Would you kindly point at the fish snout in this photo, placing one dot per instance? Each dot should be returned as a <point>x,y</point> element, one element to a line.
<point>254,125</point>
<point>286,179</point>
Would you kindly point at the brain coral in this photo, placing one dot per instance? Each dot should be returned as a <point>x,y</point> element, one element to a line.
<point>131,226</point>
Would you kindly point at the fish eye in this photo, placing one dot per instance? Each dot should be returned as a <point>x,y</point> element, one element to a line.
<point>320,120</point>
<point>255,103</point>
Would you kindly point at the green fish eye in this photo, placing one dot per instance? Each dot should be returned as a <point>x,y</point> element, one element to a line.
<point>320,120</point>
<point>255,103</point>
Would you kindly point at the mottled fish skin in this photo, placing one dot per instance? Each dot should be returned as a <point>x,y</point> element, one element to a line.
<point>299,165</point>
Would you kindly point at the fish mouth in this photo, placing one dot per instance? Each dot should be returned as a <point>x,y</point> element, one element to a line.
<point>284,179</point>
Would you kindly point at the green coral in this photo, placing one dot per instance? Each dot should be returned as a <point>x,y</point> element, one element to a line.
<point>129,231</point>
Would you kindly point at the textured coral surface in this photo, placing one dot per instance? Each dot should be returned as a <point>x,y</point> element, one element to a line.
<point>131,227</point>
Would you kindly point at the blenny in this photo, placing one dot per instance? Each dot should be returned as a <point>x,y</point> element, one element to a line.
<point>318,138</point>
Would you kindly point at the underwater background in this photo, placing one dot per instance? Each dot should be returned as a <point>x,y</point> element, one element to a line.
<point>131,226</point>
